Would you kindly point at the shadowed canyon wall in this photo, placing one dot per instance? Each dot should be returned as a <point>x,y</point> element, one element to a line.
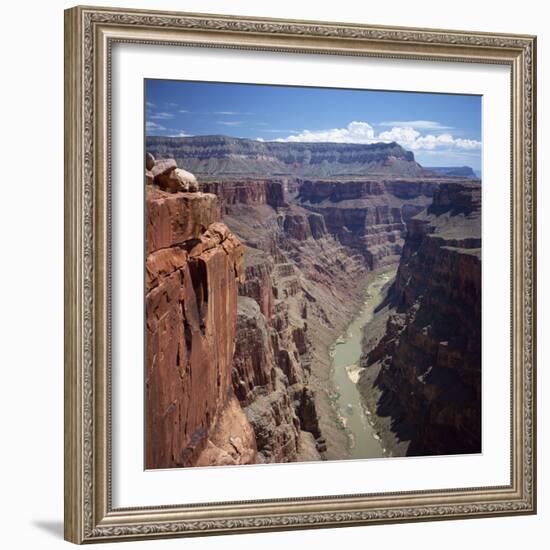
<point>423,376</point>
<point>368,215</point>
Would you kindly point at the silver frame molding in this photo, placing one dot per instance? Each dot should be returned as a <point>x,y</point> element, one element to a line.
<point>89,36</point>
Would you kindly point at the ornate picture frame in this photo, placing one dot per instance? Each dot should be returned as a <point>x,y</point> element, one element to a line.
<point>90,34</point>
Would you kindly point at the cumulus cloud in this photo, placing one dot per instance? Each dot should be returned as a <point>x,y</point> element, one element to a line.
<point>412,139</point>
<point>180,134</point>
<point>354,132</point>
<point>407,136</point>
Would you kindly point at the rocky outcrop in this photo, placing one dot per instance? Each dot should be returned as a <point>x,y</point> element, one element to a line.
<point>272,394</point>
<point>226,156</point>
<point>270,376</point>
<point>428,360</point>
<point>194,265</point>
<point>248,191</point>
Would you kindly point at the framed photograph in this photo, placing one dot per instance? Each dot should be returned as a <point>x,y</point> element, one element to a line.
<point>300,274</point>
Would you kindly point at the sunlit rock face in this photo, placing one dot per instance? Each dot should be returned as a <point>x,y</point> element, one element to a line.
<point>194,265</point>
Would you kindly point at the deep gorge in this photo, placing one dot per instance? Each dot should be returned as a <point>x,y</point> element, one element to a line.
<point>251,277</point>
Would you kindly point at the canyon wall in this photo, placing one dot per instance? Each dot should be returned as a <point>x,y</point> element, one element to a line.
<point>293,300</point>
<point>248,191</point>
<point>422,377</point>
<point>218,156</point>
<point>368,215</point>
<point>194,265</point>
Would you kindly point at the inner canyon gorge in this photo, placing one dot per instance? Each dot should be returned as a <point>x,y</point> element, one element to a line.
<point>308,301</point>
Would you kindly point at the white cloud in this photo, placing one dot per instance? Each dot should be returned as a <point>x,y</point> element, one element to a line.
<point>180,134</point>
<point>420,124</point>
<point>183,111</point>
<point>230,122</point>
<point>150,125</point>
<point>149,104</point>
<point>407,136</point>
<point>412,139</point>
<point>161,116</point>
<point>354,132</point>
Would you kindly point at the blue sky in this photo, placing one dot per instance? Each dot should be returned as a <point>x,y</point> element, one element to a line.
<point>441,129</point>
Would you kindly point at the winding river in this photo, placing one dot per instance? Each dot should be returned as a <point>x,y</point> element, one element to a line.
<point>346,355</point>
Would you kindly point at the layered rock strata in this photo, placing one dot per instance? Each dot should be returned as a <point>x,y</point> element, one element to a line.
<point>368,215</point>
<point>248,191</point>
<point>301,287</point>
<point>422,378</point>
<point>194,265</point>
<point>228,156</point>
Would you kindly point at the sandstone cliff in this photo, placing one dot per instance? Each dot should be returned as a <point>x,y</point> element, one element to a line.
<point>193,268</point>
<point>422,376</point>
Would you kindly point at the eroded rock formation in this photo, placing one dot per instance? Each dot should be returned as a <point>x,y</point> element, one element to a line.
<point>422,378</point>
<point>301,287</point>
<point>368,215</point>
<point>193,268</point>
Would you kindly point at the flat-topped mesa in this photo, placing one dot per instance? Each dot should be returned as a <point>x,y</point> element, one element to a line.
<point>194,265</point>
<point>223,156</point>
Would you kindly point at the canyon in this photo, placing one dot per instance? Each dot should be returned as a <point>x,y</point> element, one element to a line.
<point>258,257</point>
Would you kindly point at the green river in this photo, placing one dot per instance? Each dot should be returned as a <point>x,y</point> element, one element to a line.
<point>346,355</point>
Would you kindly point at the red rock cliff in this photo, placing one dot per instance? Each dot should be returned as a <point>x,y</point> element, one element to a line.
<point>193,268</point>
